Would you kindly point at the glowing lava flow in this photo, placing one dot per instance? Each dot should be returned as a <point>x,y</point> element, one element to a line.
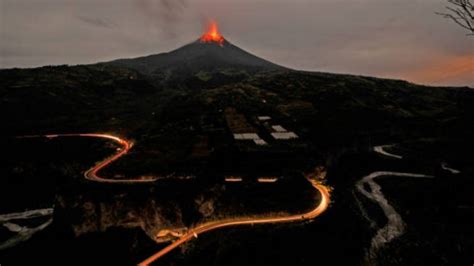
<point>318,210</point>
<point>212,35</point>
<point>91,174</point>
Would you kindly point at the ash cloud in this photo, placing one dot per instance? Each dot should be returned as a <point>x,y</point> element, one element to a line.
<point>163,14</point>
<point>97,22</point>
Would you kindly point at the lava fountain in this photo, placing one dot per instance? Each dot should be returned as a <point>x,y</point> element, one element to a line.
<point>212,35</point>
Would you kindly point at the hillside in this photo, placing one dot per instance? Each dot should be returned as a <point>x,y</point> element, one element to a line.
<point>195,57</point>
<point>183,112</point>
<point>107,98</point>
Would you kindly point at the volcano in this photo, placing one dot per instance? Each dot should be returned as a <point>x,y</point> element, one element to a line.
<point>210,53</point>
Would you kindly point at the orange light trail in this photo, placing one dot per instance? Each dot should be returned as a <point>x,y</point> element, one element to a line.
<point>92,173</point>
<point>193,233</point>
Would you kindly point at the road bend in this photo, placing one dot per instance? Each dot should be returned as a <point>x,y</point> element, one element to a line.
<point>206,227</point>
<point>93,173</point>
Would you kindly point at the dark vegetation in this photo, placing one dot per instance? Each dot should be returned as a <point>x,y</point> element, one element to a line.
<point>42,173</point>
<point>173,106</point>
<point>439,212</point>
<point>33,169</point>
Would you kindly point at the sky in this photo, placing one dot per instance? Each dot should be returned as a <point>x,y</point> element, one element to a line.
<point>401,39</point>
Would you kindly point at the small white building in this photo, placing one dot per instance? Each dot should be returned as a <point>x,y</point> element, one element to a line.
<point>250,136</point>
<point>260,142</point>
<point>246,136</point>
<point>284,135</point>
<point>279,128</point>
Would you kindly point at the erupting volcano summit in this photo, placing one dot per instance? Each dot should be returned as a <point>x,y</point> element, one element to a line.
<point>212,35</point>
<point>210,52</point>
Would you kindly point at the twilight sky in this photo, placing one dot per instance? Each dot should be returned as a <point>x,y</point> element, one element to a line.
<point>386,38</point>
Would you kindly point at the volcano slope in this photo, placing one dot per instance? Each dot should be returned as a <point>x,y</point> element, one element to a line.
<point>191,85</point>
<point>172,103</point>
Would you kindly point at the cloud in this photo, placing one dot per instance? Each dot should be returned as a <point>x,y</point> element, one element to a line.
<point>97,22</point>
<point>162,14</point>
<point>387,38</point>
<point>444,71</point>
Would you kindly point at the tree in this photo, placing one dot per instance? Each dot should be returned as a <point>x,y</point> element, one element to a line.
<point>462,13</point>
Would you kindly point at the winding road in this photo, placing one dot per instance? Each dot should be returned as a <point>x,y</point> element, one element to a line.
<point>206,227</point>
<point>24,233</point>
<point>92,174</point>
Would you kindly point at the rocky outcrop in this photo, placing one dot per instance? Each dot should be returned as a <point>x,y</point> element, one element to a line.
<point>87,213</point>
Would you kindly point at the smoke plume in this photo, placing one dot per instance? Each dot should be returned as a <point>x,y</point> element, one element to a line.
<point>163,14</point>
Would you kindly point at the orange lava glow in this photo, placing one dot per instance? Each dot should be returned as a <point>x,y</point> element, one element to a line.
<point>212,34</point>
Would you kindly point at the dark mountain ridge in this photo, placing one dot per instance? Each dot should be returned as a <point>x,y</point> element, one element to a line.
<point>196,57</point>
<point>184,86</point>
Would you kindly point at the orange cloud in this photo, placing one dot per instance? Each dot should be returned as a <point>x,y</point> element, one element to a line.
<point>455,70</point>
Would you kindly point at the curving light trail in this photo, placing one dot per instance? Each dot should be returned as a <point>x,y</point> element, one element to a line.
<point>92,173</point>
<point>193,233</point>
